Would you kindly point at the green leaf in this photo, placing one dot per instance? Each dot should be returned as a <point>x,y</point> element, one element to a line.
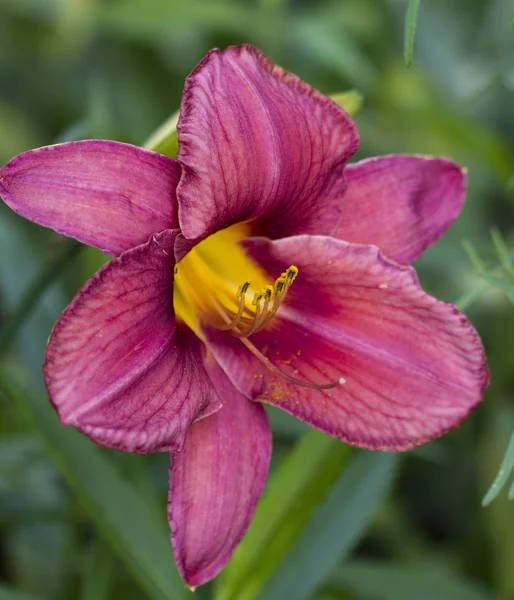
<point>502,251</point>
<point>466,300</point>
<point>351,101</point>
<point>411,23</point>
<point>92,260</point>
<point>120,515</point>
<point>328,46</point>
<point>474,257</point>
<point>300,483</point>
<point>334,528</point>
<point>508,288</point>
<point>506,470</point>
<point>165,138</point>
<point>98,572</point>
<point>306,504</point>
<point>386,581</point>
<point>8,593</point>
<point>67,252</point>
<point>162,19</point>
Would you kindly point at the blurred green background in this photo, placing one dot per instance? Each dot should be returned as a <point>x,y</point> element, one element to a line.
<point>78,522</point>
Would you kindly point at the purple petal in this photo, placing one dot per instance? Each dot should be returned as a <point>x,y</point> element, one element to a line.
<point>109,195</point>
<point>215,482</point>
<point>414,366</point>
<point>259,144</point>
<point>118,368</point>
<point>402,204</point>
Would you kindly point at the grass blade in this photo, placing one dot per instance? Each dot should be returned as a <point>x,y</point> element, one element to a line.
<point>411,23</point>
<point>98,573</point>
<point>508,288</point>
<point>67,252</point>
<point>301,482</point>
<point>121,517</point>
<point>334,528</point>
<point>387,581</point>
<point>506,470</point>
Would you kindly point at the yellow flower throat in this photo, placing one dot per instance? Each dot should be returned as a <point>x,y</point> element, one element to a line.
<point>216,284</point>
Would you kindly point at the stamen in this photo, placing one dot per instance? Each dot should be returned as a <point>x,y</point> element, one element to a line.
<point>240,295</point>
<point>263,315</point>
<point>282,284</point>
<point>244,326</point>
<point>293,380</point>
<point>255,323</point>
<point>260,315</point>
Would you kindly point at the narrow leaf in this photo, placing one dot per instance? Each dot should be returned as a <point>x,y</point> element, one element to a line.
<point>165,139</point>
<point>98,573</point>
<point>502,251</point>
<point>474,257</point>
<point>411,23</point>
<point>466,300</point>
<point>120,515</point>
<point>67,252</point>
<point>329,46</point>
<point>506,469</point>
<point>162,19</point>
<point>300,484</point>
<point>508,288</point>
<point>386,581</point>
<point>511,492</point>
<point>351,101</point>
<point>334,528</point>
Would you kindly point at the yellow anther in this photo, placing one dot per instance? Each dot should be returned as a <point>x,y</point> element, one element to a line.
<point>257,298</point>
<point>280,283</point>
<point>253,317</point>
<point>291,273</point>
<point>242,289</point>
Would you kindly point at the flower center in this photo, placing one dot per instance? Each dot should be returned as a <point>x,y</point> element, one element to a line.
<point>215,281</point>
<point>218,285</point>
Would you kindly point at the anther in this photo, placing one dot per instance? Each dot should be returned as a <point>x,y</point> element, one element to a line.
<point>257,298</point>
<point>266,302</point>
<point>291,273</point>
<point>279,285</point>
<point>241,291</point>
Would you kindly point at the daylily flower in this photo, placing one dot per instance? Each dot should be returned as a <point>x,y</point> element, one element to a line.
<point>256,268</point>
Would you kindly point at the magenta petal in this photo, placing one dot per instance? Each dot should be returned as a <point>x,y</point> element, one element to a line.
<point>402,204</point>
<point>215,482</point>
<point>414,366</point>
<point>106,194</point>
<point>118,368</point>
<point>259,144</point>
